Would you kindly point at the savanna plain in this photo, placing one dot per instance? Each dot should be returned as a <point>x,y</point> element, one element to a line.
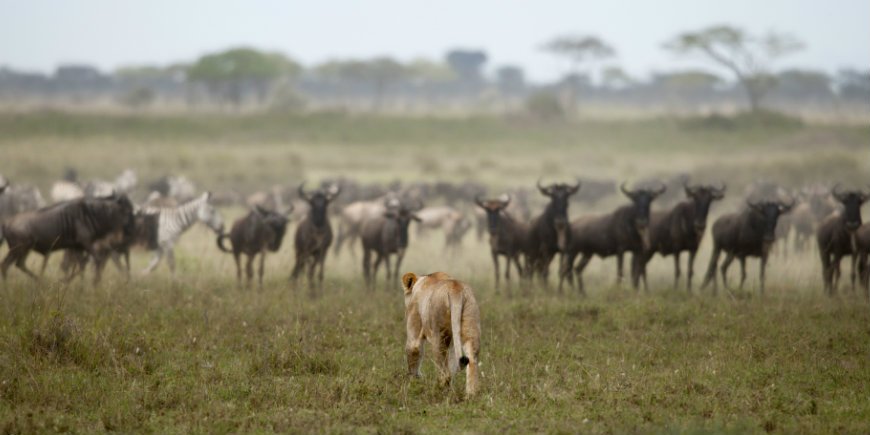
<point>197,354</point>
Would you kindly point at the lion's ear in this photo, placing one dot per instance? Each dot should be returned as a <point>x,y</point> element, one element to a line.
<point>408,281</point>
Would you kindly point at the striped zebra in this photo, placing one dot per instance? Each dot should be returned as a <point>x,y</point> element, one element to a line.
<point>173,222</point>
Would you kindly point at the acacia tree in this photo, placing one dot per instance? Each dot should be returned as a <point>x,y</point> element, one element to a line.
<point>226,74</point>
<point>578,50</point>
<point>747,56</point>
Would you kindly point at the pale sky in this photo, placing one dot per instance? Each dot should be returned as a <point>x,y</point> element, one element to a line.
<point>37,35</point>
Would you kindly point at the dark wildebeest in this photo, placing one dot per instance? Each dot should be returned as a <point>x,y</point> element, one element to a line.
<point>79,225</point>
<point>257,233</point>
<point>507,236</point>
<point>624,230</point>
<point>681,229</point>
<point>314,233</point>
<point>862,246</point>
<point>836,238</point>
<point>384,236</point>
<point>548,230</point>
<point>750,233</point>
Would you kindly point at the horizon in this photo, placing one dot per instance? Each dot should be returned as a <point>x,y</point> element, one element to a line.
<point>512,39</point>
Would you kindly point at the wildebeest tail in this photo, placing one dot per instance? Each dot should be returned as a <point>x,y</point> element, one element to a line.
<point>220,242</point>
<point>456,306</point>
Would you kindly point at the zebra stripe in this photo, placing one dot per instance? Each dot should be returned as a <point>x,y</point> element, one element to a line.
<point>173,222</point>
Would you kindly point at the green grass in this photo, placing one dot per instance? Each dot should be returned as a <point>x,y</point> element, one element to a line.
<point>198,355</point>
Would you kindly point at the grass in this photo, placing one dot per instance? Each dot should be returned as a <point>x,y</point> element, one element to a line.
<point>195,354</point>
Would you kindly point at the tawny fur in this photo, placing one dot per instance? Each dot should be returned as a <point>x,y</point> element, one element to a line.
<point>442,311</point>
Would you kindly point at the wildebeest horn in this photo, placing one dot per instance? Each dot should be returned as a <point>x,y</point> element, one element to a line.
<point>627,192</point>
<point>478,201</point>
<point>836,192</point>
<point>302,193</point>
<point>333,191</point>
<point>785,208</point>
<point>544,190</point>
<point>575,188</point>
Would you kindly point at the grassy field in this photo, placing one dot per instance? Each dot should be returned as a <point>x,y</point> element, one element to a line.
<point>195,354</point>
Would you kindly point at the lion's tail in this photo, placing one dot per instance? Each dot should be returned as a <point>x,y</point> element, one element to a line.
<point>457,304</point>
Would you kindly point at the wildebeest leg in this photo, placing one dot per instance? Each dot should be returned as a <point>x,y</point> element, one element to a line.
<point>729,257</point>
<point>495,265</point>
<point>566,266</point>
<point>742,271</point>
<point>249,270</point>
<point>100,261</point>
<point>676,270</point>
<point>579,271</point>
<point>762,271</point>
<point>854,272</point>
<point>262,268</point>
<point>321,262</point>
<point>619,268</point>
<point>711,269</point>
<point>389,274</point>
<point>375,268</point>
<point>45,263</point>
<point>158,254</point>
<point>827,271</point>
<point>21,264</point>
<point>312,265</point>
<point>691,266</point>
<point>641,259</point>
<point>236,258</point>
<point>10,259</point>
<point>367,267</point>
<point>835,273</point>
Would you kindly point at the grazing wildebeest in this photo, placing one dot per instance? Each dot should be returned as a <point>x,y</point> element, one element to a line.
<point>548,230</point>
<point>77,225</point>
<point>836,238</point>
<point>384,236</point>
<point>507,236</point>
<point>626,229</point>
<point>173,222</point>
<point>355,214</point>
<point>260,231</point>
<point>681,229</point>
<point>314,233</point>
<point>750,233</point>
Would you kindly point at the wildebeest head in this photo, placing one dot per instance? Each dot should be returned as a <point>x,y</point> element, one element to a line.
<point>318,201</point>
<point>769,212</point>
<point>493,209</point>
<point>852,201</point>
<point>702,197</point>
<point>558,207</point>
<point>208,214</point>
<point>641,200</point>
<point>402,216</point>
<point>276,222</point>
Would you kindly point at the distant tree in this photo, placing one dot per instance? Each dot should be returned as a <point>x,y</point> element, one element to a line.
<point>467,64</point>
<point>510,79</point>
<point>578,50</point>
<point>227,73</point>
<point>138,98</point>
<point>747,56</point>
<point>428,71</point>
<point>378,72</point>
<point>614,77</point>
<point>854,84</point>
<point>796,83</point>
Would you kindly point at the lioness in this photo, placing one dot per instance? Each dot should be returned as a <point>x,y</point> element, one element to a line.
<point>443,311</point>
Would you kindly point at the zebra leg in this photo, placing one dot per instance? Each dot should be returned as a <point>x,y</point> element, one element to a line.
<point>170,260</point>
<point>158,254</point>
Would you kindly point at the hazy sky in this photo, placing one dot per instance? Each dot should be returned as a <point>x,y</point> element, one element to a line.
<point>40,34</point>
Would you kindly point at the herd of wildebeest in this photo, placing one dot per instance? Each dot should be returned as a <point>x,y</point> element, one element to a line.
<point>96,221</point>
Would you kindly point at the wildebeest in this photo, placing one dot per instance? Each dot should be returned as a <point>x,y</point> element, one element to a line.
<point>681,229</point>
<point>450,220</point>
<point>258,232</point>
<point>384,236</point>
<point>750,233</point>
<point>507,236</point>
<point>836,237</point>
<point>548,230</point>
<point>626,229</point>
<point>78,225</point>
<point>354,215</point>
<point>314,233</point>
